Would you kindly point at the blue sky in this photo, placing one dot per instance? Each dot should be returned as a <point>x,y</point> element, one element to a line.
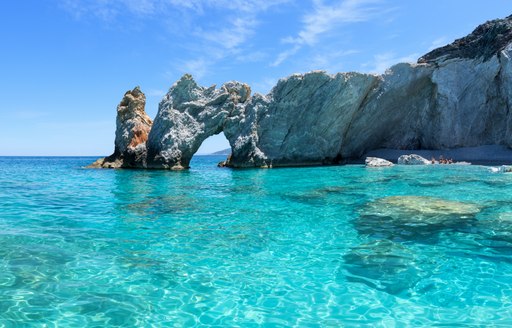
<point>67,63</point>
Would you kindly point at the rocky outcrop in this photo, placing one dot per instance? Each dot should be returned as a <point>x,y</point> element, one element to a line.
<point>413,159</point>
<point>189,114</point>
<point>377,162</point>
<point>486,40</point>
<point>456,96</point>
<point>132,130</point>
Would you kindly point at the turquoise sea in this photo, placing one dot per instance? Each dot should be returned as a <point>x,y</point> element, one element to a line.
<point>295,247</point>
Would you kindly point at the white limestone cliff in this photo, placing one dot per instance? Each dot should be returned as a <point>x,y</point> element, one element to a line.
<point>456,96</point>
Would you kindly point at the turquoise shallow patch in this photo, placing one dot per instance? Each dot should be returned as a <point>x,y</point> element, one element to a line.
<point>326,246</point>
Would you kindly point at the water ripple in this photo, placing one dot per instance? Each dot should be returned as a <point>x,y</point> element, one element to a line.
<point>328,246</point>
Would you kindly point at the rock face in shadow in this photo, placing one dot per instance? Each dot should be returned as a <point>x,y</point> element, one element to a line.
<point>456,96</point>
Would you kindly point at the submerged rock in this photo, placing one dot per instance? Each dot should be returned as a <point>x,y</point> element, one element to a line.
<point>385,266</point>
<point>414,217</point>
<point>425,205</point>
<point>457,96</point>
<point>413,159</point>
<point>377,162</point>
<point>495,233</point>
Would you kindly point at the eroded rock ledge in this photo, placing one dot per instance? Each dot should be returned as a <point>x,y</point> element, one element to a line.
<point>456,96</point>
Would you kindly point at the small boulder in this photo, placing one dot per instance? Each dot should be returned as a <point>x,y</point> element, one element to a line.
<point>377,162</point>
<point>501,169</point>
<point>412,159</point>
<point>505,169</point>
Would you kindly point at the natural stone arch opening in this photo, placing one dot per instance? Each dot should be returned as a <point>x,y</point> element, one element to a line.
<point>214,144</point>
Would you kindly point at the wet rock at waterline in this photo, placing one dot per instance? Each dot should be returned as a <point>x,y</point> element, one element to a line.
<point>414,217</point>
<point>377,162</point>
<point>412,159</point>
<point>455,96</point>
<point>501,169</point>
<point>506,169</point>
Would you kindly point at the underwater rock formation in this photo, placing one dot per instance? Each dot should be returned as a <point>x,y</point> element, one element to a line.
<point>414,217</point>
<point>386,266</point>
<point>456,96</point>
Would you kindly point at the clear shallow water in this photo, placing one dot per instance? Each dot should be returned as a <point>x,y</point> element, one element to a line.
<point>326,246</point>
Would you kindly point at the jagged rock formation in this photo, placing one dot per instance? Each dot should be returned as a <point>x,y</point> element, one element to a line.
<point>188,115</point>
<point>484,42</point>
<point>132,129</point>
<point>456,96</point>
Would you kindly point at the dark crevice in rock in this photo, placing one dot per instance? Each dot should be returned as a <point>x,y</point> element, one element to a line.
<point>373,87</point>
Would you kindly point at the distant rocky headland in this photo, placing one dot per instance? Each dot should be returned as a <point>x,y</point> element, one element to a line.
<point>459,95</point>
<point>226,151</point>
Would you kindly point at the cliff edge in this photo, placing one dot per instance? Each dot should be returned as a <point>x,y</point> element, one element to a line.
<point>459,95</point>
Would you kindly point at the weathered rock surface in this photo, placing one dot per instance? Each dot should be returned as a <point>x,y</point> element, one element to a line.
<point>377,162</point>
<point>485,41</point>
<point>457,96</point>
<point>413,159</point>
<point>189,114</point>
<point>132,129</point>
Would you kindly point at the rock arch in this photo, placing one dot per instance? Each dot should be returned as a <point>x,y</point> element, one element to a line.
<point>187,116</point>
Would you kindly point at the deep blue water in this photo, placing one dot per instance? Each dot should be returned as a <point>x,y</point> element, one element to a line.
<point>305,247</point>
